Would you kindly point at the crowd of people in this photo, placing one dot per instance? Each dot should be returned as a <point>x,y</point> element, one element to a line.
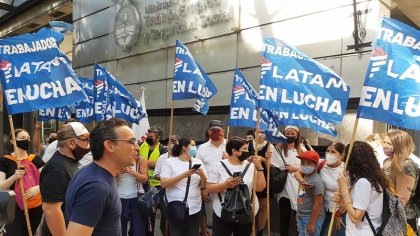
<point>89,183</point>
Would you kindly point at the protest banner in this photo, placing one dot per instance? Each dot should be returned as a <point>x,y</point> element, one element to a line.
<point>301,89</point>
<point>58,113</point>
<point>190,80</point>
<point>392,83</point>
<point>244,107</point>
<point>112,99</point>
<point>391,89</point>
<point>35,74</point>
<point>85,109</point>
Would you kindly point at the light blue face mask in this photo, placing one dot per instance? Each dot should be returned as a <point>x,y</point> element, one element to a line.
<point>193,151</point>
<point>306,170</point>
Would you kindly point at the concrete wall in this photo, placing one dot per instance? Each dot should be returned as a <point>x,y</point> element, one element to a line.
<point>321,29</point>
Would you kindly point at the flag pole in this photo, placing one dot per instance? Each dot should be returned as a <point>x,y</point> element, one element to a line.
<point>171,121</point>
<point>268,191</point>
<point>227,132</point>
<point>254,195</point>
<point>353,136</point>
<point>22,190</point>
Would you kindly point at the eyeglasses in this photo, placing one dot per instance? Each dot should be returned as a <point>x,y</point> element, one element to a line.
<point>84,139</point>
<point>130,140</point>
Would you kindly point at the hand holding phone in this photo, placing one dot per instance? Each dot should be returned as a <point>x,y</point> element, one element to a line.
<point>196,166</point>
<point>236,174</point>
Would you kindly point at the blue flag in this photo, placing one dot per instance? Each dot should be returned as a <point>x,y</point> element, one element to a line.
<point>391,92</point>
<point>299,87</point>
<point>112,98</point>
<point>58,113</point>
<point>85,109</point>
<point>35,74</point>
<point>190,80</point>
<point>243,110</point>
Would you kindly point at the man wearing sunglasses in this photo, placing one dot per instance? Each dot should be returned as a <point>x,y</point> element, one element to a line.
<point>93,206</point>
<point>73,144</point>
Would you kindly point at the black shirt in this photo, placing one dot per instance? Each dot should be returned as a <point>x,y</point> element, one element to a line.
<point>55,178</point>
<point>9,167</point>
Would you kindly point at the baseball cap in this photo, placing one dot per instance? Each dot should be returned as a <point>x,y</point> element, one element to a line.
<point>78,128</point>
<point>310,155</point>
<point>71,130</point>
<point>216,124</point>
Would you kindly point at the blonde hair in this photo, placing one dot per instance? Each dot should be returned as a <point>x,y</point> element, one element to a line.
<point>403,146</point>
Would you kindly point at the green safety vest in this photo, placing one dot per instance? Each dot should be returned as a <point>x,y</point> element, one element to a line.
<point>154,156</point>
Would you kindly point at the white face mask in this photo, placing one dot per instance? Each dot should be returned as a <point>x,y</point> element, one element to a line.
<point>331,158</point>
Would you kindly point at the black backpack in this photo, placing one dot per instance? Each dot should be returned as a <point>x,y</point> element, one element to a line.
<point>237,205</point>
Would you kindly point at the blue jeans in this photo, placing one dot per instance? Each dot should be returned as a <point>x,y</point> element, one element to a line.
<point>303,221</point>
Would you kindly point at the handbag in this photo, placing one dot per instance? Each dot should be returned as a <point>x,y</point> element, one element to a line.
<point>278,177</point>
<point>178,210</point>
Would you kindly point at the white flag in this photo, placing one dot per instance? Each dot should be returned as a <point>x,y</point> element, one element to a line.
<point>140,130</point>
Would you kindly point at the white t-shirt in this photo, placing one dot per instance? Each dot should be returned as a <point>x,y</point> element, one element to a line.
<point>210,154</point>
<point>290,190</point>
<point>49,151</point>
<point>158,167</point>
<point>329,177</point>
<point>173,167</point>
<point>365,198</point>
<point>219,175</point>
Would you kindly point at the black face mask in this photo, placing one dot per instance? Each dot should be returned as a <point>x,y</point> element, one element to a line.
<point>23,144</point>
<point>291,139</point>
<point>150,141</point>
<point>79,152</point>
<point>244,156</point>
<point>50,140</point>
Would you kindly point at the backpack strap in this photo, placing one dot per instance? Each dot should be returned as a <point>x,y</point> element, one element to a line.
<point>370,223</point>
<point>281,155</point>
<point>230,174</point>
<point>13,158</point>
<point>245,170</point>
<point>188,186</point>
<point>31,157</point>
<point>188,183</point>
<point>320,166</point>
<point>10,157</point>
<point>227,170</point>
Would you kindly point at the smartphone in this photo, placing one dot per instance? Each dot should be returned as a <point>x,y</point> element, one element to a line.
<point>196,166</point>
<point>236,174</point>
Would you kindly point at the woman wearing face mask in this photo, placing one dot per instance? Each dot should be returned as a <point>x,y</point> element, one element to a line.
<point>329,174</point>
<point>10,175</point>
<point>220,180</point>
<point>183,177</point>
<point>193,148</point>
<point>288,197</point>
<point>401,171</point>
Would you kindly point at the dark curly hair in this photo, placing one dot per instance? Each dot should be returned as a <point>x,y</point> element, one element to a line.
<point>363,164</point>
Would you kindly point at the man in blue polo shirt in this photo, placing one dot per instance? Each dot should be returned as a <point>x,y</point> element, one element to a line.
<point>93,206</point>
